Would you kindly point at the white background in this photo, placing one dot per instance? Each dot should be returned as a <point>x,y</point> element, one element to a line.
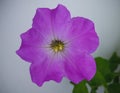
<point>16,17</point>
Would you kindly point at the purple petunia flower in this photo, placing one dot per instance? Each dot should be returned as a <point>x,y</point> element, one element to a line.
<point>59,46</point>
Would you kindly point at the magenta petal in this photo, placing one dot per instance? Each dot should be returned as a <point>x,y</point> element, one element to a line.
<point>79,67</point>
<point>46,70</point>
<point>42,21</point>
<point>51,21</point>
<point>72,73</point>
<point>30,49</point>
<point>82,35</point>
<point>60,19</point>
<point>32,37</point>
<point>60,16</point>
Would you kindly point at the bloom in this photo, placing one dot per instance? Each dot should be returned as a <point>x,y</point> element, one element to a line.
<point>59,46</point>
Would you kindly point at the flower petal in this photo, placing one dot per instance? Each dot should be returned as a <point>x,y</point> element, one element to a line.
<point>79,67</point>
<point>60,18</point>
<point>30,48</point>
<point>82,35</point>
<point>51,22</point>
<point>46,70</point>
<point>42,22</point>
<point>60,15</point>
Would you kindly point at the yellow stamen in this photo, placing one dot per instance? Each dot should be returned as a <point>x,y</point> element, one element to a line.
<point>57,45</point>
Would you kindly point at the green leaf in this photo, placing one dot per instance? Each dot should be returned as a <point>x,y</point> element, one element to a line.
<point>116,79</point>
<point>114,88</point>
<point>93,91</point>
<point>97,80</point>
<point>103,66</point>
<point>114,61</point>
<point>80,88</point>
<point>106,90</point>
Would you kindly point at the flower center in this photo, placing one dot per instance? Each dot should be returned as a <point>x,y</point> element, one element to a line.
<point>57,45</point>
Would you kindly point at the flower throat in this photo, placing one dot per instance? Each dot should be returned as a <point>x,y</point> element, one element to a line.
<point>57,45</point>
